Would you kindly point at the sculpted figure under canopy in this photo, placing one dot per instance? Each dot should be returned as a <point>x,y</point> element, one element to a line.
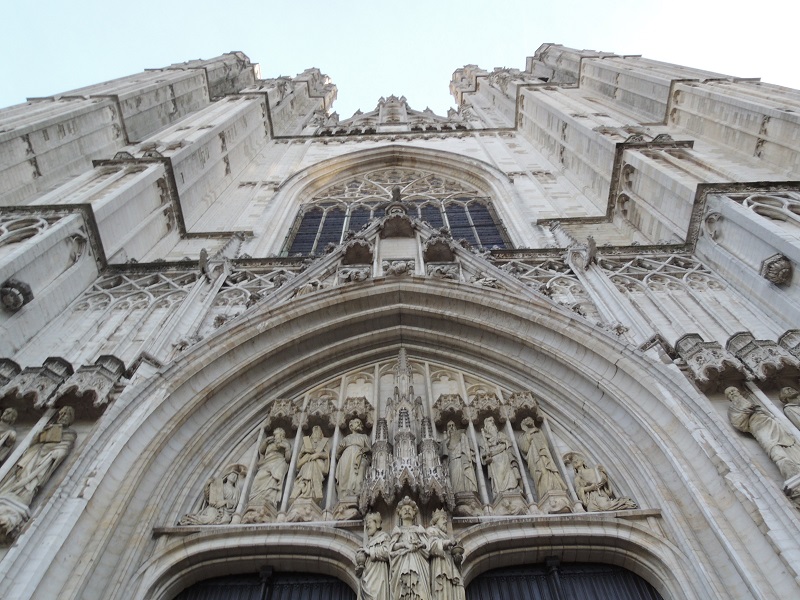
<point>409,572</point>
<point>747,416</point>
<point>372,561</point>
<point>445,556</point>
<point>273,463</point>
<point>592,487</point>
<point>540,462</point>
<point>353,455</point>
<point>498,454</point>
<point>34,469</point>
<point>460,460</point>
<point>220,498</point>
<point>8,433</point>
<point>312,464</point>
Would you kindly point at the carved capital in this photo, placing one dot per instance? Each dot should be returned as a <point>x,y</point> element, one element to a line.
<point>521,405</point>
<point>791,342</point>
<point>439,248</point>
<point>449,407</point>
<point>285,413</point>
<point>711,366</point>
<point>357,251</point>
<point>397,225</point>
<point>355,408</point>
<point>482,405</point>
<point>93,382</point>
<point>38,383</point>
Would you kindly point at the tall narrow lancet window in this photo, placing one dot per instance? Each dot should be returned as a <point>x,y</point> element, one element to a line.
<point>435,199</point>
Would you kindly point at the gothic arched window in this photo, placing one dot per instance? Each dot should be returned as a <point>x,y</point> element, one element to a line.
<point>439,201</point>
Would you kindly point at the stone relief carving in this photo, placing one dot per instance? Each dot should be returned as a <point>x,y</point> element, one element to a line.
<point>791,404</point>
<point>372,561</point>
<point>36,466</point>
<point>355,274</point>
<point>593,488</point>
<point>550,486</point>
<point>398,268</point>
<point>748,417</point>
<point>8,433</point>
<point>777,269</point>
<point>274,454</point>
<point>313,464</point>
<point>220,498</point>
<point>443,271</point>
<point>445,558</point>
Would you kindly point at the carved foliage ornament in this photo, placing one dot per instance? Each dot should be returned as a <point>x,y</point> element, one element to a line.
<point>777,269</point>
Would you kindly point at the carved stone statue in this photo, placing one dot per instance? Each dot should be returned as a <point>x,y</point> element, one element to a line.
<point>409,572</point>
<point>747,416</point>
<point>460,460</point>
<point>592,487</point>
<point>34,469</point>
<point>791,404</point>
<point>498,454</point>
<point>312,465</point>
<point>353,456</point>
<point>8,433</point>
<point>372,561</point>
<point>445,556</point>
<point>540,462</point>
<point>273,463</point>
<point>220,498</point>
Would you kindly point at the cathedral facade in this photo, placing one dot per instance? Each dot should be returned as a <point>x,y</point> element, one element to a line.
<point>552,336</point>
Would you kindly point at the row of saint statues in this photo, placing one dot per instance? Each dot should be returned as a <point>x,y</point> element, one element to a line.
<point>497,452</point>
<point>414,562</point>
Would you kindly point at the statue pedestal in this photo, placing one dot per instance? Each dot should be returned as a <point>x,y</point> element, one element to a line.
<point>509,503</point>
<point>263,514</point>
<point>555,502</point>
<point>467,505</point>
<point>346,509</point>
<point>304,509</point>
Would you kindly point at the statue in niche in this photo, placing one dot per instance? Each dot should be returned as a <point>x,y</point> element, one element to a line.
<point>460,460</point>
<point>409,572</point>
<point>274,454</point>
<point>353,456</point>
<point>372,561</point>
<point>791,404</point>
<point>747,416</point>
<point>220,498</point>
<point>34,469</point>
<point>8,433</point>
<point>540,462</point>
<point>445,556</point>
<point>497,454</point>
<point>592,487</point>
<point>312,466</point>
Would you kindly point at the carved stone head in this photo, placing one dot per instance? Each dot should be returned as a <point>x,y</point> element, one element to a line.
<point>9,416</point>
<point>789,395</point>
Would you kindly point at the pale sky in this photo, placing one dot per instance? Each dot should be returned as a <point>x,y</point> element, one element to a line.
<point>374,49</point>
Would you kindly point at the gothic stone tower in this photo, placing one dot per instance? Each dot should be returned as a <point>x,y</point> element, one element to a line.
<point>557,326</point>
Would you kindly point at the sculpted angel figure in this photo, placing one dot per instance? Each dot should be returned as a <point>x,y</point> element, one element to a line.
<point>592,487</point>
<point>372,561</point>
<point>353,456</point>
<point>747,416</point>
<point>498,454</point>
<point>220,498</point>
<point>312,464</point>
<point>409,572</point>
<point>460,461</point>
<point>445,556</point>
<point>273,463</point>
<point>540,462</point>
<point>8,433</point>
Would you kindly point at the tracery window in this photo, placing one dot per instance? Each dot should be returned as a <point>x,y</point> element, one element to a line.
<point>351,205</point>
